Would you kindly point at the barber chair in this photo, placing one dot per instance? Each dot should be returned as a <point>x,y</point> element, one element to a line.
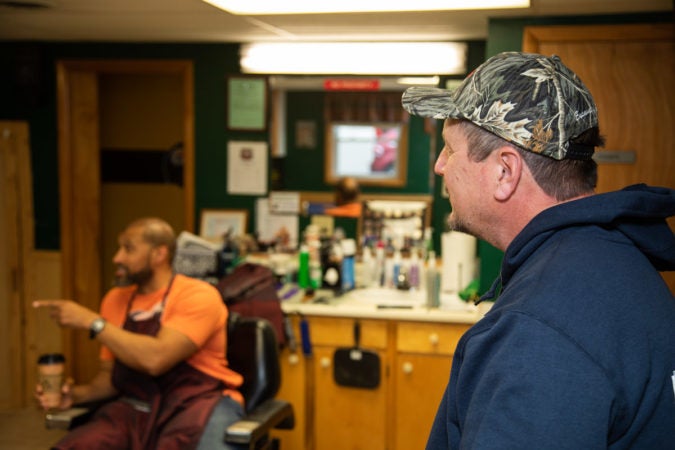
<point>252,351</point>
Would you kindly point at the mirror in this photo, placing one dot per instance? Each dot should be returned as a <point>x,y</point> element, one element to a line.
<point>402,222</point>
<point>373,153</point>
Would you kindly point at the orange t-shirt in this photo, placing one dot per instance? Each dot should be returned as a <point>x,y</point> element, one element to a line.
<point>193,308</point>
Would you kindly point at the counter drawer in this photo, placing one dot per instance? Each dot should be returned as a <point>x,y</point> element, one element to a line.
<point>340,332</point>
<point>431,338</point>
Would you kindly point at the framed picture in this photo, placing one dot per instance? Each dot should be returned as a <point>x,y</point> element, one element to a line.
<point>247,103</point>
<point>215,223</point>
<point>375,153</point>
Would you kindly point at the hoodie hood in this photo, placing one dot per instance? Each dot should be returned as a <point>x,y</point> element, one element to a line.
<point>639,212</point>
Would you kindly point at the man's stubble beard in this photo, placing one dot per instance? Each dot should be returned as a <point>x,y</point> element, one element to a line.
<point>139,278</point>
<point>455,223</point>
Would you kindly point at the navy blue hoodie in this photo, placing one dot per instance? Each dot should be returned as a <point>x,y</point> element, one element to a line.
<point>578,350</point>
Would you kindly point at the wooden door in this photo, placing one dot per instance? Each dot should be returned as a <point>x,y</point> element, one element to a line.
<point>420,384</point>
<point>424,354</point>
<point>629,70</point>
<point>80,184</point>
<point>16,229</point>
<point>347,417</point>
<point>295,382</point>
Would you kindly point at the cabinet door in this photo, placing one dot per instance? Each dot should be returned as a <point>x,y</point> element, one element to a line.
<point>421,372</point>
<point>294,390</point>
<point>345,417</point>
<point>420,382</point>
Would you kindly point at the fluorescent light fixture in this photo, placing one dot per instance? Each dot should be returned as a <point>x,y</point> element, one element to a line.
<point>354,58</point>
<point>419,81</point>
<point>263,7</point>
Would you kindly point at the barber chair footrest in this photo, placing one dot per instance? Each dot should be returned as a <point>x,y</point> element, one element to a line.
<point>270,414</point>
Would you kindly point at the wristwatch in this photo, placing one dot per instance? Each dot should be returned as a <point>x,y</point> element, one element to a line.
<point>96,327</point>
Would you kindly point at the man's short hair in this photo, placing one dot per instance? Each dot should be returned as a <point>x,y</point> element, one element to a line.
<point>562,180</point>
<point>157,232</point>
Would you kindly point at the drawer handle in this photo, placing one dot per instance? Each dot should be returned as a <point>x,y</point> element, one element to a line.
<point>293,359</point>
<point>407,368</point>
<point>433,339</point>
<point>325,362</point>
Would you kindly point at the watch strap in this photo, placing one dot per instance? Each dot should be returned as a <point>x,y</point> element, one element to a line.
<point>96,327</point>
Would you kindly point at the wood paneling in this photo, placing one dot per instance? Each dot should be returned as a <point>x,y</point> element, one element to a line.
<point>16,229</point>
<point>25,275</point>
<point>43,335</point>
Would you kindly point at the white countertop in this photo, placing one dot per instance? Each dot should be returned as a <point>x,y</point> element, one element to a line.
<point>381,303</point>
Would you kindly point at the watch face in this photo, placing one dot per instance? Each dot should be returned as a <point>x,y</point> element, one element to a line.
<point>97,325</point>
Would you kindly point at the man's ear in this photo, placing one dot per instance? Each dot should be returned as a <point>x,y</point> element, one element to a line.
<point>509,168</point>
<point>160,253</point>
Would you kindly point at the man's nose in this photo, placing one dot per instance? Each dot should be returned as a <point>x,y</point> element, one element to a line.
<point>439,165</point>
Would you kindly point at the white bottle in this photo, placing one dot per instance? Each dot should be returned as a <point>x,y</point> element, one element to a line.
<point>379,265</point>
<point>368,272</point>
<point>433,282</point>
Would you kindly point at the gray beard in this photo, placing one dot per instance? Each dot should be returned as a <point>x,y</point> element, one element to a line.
<point>456,224</point>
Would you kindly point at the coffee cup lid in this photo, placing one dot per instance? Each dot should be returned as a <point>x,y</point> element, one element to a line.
<point>51,358</point>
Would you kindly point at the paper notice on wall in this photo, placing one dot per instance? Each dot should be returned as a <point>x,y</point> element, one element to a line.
<point>284,202</point>
<point>459,260</point>
<point>247,168</point>
<point>269,224</point>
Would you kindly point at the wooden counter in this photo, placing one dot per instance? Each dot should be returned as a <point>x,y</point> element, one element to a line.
<point>415,346</point>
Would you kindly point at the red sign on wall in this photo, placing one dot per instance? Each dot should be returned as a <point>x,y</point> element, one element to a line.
<point>346,84</point>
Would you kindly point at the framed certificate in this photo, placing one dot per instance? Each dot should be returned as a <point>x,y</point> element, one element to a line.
<point>246,103</point>
<point>215,223</point>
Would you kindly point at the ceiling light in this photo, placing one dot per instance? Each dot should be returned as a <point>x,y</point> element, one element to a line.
<point>419,81</point>
<point>262,7</point>
<point>355,58</point>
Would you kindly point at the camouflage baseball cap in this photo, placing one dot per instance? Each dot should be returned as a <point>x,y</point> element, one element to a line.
<point>530,100</point>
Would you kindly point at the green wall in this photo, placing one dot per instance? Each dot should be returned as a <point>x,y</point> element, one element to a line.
<point>28,92</point>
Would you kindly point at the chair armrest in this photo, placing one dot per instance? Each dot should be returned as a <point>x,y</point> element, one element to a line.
<point>258,423</point>
<point>67,418</point>
<point>74,416</point>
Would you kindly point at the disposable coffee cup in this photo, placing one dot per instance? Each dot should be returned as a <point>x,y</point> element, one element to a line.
<point>51,368</point>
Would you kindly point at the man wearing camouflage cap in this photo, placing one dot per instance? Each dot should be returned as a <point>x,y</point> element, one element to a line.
<point>578,351</point>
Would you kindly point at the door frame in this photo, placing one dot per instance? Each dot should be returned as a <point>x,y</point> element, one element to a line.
<point>80,183</point>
